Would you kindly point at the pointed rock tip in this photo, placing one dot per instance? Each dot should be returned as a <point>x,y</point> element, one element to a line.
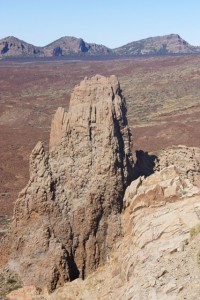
<point>59,114</point>
<point>96,87</point>
<point>99,79</point>
<point>38,149</point>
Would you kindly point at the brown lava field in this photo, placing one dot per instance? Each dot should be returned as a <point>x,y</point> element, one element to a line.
<point>162,94</point>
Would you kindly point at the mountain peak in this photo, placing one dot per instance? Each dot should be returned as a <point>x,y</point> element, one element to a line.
<point>66,45</point>
<point>12,46</point>
<point>158,45</point>
<point>70,45</point>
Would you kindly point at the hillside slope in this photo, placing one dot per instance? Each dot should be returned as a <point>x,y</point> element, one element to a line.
<point>160,45</point>
<point>72,45</point>
<point>68,45</point>
<point>14,47</point>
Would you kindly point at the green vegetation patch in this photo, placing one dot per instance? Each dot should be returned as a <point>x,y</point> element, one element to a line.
<point>194,230</point>
<point>4,194</point>
<point>8,285</point>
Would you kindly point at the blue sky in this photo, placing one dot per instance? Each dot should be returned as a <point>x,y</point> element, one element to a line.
<point>108,22</point>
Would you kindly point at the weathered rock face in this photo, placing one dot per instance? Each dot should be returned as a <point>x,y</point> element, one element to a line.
<point>68,216</point>
<point>157,254</point>
<point>185,159</point>
<point>158,189</point>
<point>11,46</point>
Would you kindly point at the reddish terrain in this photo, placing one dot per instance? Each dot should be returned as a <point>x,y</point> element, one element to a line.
<point>162,94</point>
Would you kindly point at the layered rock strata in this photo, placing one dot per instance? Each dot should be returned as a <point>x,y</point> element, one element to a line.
<point>158,189</point>
<point>185,159</point>
<point>67,218</point>
<point>158,255</point>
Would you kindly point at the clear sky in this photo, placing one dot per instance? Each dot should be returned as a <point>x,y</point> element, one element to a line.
<point>109,22</point>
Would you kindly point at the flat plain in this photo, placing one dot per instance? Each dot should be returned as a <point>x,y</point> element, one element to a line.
<point>162,94</point>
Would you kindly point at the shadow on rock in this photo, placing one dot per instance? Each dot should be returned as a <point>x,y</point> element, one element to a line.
<point>145,164</point>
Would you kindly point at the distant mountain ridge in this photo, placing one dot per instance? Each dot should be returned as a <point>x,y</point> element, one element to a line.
<point>14,47</point>
<point>67,45</point>
<point>71,45</point>
<point>161,45</point>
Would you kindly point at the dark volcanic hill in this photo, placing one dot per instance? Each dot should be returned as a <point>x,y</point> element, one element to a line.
<point>72,45</point>
<point>68,45</point>
<point>159,45</point>
<point>11,46</point>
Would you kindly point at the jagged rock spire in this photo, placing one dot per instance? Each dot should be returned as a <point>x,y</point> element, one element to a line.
<point>67,218</point>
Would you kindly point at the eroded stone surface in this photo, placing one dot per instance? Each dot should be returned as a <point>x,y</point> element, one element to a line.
<point>67,218</point>
<point>161,187</point>
<point>185,159</point>
<point>156,258</point>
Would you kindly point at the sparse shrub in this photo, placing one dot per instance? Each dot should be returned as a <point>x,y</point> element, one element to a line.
<point>11,280</point>
<point>4,194</point>
<point>194,230</point>
<point>7,285</point>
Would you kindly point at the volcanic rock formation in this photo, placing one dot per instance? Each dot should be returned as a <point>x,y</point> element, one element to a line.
<point>185,159</point>
<point>14,47</point>
<point>71,45</point>
<point>67,218</point>
<point>67,45</point>
<point>158,252</point>
<point>158,45</point>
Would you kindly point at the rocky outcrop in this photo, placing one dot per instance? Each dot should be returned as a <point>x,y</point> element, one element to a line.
<point>185,159</point>
<point>67,218</point>
<point>158,252</point>
<point>159,188</point>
